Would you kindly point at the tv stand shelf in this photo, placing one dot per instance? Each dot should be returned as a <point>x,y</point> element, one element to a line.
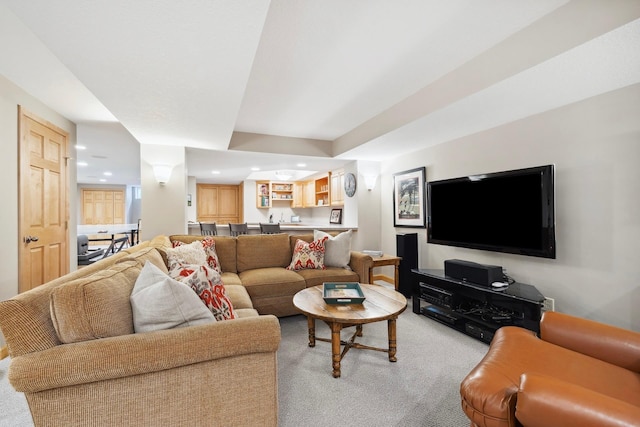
<point>473,309</point>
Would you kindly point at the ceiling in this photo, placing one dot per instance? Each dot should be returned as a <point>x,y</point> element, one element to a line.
<point>272,84</point>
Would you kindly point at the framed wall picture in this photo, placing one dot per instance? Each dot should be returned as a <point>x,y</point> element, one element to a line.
<point>336,216</point>
<point>409,209</point>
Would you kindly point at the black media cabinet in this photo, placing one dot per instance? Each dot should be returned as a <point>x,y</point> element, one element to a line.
<point>473,309</point>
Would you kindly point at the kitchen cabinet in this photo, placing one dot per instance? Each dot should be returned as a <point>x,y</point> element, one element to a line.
<point>337,188</point>
<point>219,203</point>
<point>323,191</point>
<point>270,194</point>
<point>103,206</point>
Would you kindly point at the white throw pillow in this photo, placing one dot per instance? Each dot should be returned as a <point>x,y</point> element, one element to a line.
<point>337,249</point>
<point>193,253</point>
<point>160,302</point>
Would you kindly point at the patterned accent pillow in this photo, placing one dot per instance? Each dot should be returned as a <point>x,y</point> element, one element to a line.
<point>206,282</point>
<point>308,256</point>
<point>209,247</point>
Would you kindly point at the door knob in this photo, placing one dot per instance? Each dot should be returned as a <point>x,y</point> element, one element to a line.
<point>29,239</point>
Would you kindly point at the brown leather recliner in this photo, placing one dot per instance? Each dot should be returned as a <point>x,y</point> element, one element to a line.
<point>578,373</point>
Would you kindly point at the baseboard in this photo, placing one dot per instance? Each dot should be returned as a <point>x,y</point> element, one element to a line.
<point>4,352</point>
<point>383,278</point>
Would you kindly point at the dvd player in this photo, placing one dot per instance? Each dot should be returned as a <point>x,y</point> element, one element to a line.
<point>440,314</point>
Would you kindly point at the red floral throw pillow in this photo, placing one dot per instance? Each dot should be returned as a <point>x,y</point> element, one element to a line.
<point>209,246</point>
<point>206,282</point>
<point>308,256</point>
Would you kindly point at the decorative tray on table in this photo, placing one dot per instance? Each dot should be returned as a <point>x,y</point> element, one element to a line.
<point>342,293</point>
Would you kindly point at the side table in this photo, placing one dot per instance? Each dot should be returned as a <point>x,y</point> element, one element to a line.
<point>379,261</point>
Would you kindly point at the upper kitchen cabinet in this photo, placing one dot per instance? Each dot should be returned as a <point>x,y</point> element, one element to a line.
<point>337,188</point>
<point>219,203</point>
<point>323,190</point>
<point>270,194</point>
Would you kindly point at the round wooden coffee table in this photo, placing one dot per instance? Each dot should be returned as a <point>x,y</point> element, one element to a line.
<point>380,304</point>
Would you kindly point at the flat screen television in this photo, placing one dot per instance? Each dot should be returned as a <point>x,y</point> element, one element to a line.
<point>510,211</point>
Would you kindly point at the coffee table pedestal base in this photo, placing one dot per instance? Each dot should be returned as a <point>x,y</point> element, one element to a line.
<point>337,342</point>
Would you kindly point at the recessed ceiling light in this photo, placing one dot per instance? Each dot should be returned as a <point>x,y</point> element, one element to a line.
<point>301,165</point>
<point>215,172</point>
<point>255,169</point>
<point>103,180</point>
<point>107,173</point>
<point>80,147</point>
<point>82,164</point>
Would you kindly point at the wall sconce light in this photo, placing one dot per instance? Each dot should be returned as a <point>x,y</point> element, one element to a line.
<point>370,181</point>
<point>162,173</point>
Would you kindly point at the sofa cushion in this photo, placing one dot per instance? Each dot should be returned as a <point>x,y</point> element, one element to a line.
<point>308,255</point>
<point>337,248</point>
<point>95,306</point>
<point>238,296</point>
<point>273,281</point>
<point>159,302</point>
<point>230,279</point>
<point>330,274</point>
<point>262,251</point>
<point>207,284</point>
<point>150,254</point>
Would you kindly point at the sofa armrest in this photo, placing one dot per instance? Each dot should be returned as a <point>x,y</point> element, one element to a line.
<point>135,354</point>
<point>548,402</point>
<point>611,344</point>
<point>361,263</point>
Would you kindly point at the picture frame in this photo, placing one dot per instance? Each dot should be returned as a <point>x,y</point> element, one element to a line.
<point>336,216</point>
<point>409,208</point>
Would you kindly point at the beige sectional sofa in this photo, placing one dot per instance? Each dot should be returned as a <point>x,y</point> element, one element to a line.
<point>258,262</point>
<point>77,359</point>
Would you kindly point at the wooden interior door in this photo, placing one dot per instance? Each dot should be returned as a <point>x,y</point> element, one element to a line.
<point>43,208</point>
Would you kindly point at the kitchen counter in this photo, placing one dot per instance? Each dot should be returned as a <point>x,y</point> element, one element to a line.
<point>286,227</point>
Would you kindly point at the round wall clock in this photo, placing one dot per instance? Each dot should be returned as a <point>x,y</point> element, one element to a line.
<point>350,184</point>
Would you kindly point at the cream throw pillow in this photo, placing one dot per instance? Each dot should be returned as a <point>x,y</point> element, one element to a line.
<point>193,253</point>
<point>337,249</point>
<point>160,302</point>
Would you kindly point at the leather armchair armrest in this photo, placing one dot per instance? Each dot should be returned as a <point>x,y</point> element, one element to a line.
<point>611,344</point>
<point>136,354</point>
<point>548,402</point>
<point>361,263</point>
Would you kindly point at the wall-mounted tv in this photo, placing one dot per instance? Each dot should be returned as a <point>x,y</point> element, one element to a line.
<point>510,211</point>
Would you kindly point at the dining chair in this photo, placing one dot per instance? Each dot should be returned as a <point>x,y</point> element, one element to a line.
<point>137,233</point>
<point>87,256</point>
<point>269,228</point>
<point>238,229</point>
<point>208,229</point>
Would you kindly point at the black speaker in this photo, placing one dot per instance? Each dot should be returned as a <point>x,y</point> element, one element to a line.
<point>407,249</point>
<point>473,272</point>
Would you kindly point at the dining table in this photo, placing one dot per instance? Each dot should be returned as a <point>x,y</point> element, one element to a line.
<point>110,230</point>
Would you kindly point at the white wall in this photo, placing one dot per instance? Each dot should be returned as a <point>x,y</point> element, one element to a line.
<point>595,146</point>
<point>164,207</point>
<point>10,97</point>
